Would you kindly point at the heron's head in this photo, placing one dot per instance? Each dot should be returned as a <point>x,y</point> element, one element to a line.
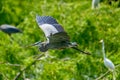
<point>73,44</point>
<point>43,47</point>
<point>101,41</point>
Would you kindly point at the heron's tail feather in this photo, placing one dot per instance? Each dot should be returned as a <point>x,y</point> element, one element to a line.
<point>81,51</point>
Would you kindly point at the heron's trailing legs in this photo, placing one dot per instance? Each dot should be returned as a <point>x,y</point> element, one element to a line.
<point>74,46</point>
<point>81,50</point>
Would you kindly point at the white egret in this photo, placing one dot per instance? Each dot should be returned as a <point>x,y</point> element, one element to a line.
<point>95,3</point>
<point>107,62</point>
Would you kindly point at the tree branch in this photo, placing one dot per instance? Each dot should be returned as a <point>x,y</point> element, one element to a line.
<point>22,70</point>
<point>100,77</point>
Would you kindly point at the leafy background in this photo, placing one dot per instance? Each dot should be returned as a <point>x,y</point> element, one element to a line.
<point>84,25</point>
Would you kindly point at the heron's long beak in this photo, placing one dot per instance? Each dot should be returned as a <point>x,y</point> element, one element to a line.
<point>35,44</point>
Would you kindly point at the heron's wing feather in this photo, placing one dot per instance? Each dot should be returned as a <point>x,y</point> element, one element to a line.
<point>45,20</point>
<point>49,25</point>
<point>59,37</point>
<point>5,26</point>
<point>9,29</point>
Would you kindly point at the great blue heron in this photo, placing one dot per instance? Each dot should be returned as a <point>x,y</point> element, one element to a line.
<point>107,62</point>
<point>56,36</point>
<point>8,29</point>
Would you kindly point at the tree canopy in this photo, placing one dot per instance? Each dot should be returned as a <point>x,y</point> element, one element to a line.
<point>84,26</point>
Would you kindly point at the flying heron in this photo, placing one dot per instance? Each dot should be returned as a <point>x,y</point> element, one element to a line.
<point>56,36</point>
<point>8,29</point>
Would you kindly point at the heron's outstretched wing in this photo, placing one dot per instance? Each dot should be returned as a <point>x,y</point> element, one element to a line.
<point>9,29</point>
<point>59,38</point>
<point>45,20</point>
<point>49,25</point>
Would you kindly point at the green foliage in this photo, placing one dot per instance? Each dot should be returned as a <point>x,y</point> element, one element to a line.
<point>84,25</point>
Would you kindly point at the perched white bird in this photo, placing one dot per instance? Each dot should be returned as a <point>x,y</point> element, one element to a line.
<point>107,62</point>
<point>95,3</point>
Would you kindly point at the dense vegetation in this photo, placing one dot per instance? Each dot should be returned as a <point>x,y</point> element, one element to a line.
<point>84,25</point>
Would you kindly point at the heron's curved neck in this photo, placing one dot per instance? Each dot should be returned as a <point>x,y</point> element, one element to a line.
<point>103,50</point>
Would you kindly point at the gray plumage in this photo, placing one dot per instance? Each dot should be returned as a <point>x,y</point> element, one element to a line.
<point>45,20</point>
<point>49,25</point>
<point>8,29</point>
<point>56,36</point>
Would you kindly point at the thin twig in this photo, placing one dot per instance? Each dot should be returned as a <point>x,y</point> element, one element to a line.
<point>9,64</point>
<point>5,77</point>
<point>17,65</point>
<point>117,66</point>
<point>22,70</point>
<point>106,73</point>
<point>100,77</point>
